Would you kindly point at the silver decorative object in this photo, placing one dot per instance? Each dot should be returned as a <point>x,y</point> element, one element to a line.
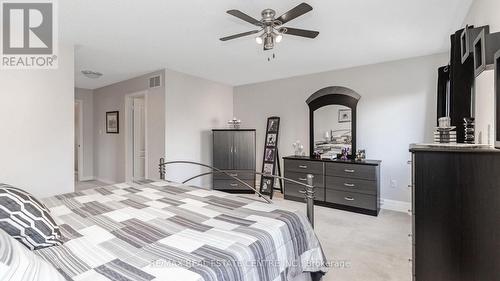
<point>234,123</point>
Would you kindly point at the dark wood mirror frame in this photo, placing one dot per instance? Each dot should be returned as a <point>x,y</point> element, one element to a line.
<point>329,96</point>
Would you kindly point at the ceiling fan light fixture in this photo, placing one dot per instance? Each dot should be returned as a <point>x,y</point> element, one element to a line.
<point>278,38</point>
<point>269,42</point>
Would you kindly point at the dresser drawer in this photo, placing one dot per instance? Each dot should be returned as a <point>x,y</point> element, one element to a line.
<point>302,166</point>
<point>292,189</point>
<point>352,185</point>
<point>358,171</point>
<point>232,185</point>
<point>318,180</point>
<point>352,199</point>
<point>239,174</point>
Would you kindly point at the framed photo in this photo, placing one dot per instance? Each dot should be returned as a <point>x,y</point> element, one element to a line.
<point>271,140</point>
<point>268,168</point>
<point>273,125</point>
<point>112,122</point>
<point>267,185</point>
<point>269,155</point>
<point>345,115</point>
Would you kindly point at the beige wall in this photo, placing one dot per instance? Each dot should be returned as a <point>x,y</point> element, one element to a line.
<point>397,107</point>
<point>36,125</point>
<point>109,149</point>
<point>194,107</point>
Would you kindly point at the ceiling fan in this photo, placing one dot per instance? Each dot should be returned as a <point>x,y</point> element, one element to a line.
<point>271,27</point>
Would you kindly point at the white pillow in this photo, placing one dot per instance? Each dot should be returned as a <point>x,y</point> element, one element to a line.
<point>17,263</point>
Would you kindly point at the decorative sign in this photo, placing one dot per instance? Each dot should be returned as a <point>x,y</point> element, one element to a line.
<point>270,161</point>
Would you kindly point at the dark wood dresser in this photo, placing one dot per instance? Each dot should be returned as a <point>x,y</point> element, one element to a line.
<point>234,153</point>
<point>347,185</point>
<point>456,214</point>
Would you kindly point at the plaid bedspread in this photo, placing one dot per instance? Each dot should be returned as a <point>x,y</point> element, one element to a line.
<point>167,231</point>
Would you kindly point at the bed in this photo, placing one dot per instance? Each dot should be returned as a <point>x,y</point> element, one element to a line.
<point>168,231</point>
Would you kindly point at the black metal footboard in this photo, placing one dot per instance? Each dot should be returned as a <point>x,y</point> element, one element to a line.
<point>308,188</point>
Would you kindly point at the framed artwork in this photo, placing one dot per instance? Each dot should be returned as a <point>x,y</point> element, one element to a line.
<point>270,161</point>
<point>267,185</point>
<point>345,115</point>
<point>271,140</point>
<point>269,155</point>
<point>268,168</point>
<point>273,125</point>
<point>112,122</point>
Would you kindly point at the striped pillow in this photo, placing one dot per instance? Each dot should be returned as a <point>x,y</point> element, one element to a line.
<point>19,264</point>
<point>26,219</point>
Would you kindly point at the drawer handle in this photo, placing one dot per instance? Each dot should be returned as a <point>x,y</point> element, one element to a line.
<point>303,166</point>
<point>349,198</point>
<point>233,175</point>
<point>302,179</point>
<point>349,171</point>
<point>234,184</point>
<point>349,184</point>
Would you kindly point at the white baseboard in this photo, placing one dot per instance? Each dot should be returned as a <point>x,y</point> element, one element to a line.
<point>394,205</point>
<point>89,178</point>
<point>106,181</point>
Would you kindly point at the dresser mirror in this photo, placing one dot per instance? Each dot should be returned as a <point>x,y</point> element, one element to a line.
<point>332,121</point>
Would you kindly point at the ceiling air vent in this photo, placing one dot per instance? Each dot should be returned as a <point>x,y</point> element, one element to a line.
<point>155,81</point>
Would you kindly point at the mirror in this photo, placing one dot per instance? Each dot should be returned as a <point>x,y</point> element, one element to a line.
<point>332,130</point>
<point>332,122</point>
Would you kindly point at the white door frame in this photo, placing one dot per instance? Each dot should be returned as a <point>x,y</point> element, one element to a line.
<point>129,147</point>
<point>80,147</point>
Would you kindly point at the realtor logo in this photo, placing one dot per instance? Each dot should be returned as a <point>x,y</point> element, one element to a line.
<point>28,35</point>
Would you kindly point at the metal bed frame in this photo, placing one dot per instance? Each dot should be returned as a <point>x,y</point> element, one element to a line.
<point>308,187</point>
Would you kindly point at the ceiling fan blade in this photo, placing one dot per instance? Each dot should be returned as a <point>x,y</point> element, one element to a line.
<point>299,32</point>
<point>245,17</point>
<point>239,35</point>
<point>298,11</point>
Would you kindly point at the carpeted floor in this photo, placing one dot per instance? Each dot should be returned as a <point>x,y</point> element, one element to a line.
<point>361,247</point>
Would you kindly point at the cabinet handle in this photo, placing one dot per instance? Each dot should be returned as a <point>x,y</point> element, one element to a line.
<point>302,179</point>
<point>303,166</point>
<point>349,184</point>
<point>234,184</point>
<point>349,198</point>
<point>233,175</point>
<point>349,171</point>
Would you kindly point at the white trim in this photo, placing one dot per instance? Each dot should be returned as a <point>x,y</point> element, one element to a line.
<point>106,181</point>
<point>394,205</point>
<point>128,134</point>
<point>80,148</point>
<point>89,178</point>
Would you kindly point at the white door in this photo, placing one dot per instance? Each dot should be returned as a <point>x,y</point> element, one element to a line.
<point>78,141</point>
<point>139,138</point>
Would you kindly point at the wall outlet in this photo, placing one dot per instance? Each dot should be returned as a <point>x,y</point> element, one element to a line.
<point>394,183</point>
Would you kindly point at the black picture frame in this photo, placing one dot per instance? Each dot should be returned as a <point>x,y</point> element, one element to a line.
<point>270,157</point>
<point>112,122</point>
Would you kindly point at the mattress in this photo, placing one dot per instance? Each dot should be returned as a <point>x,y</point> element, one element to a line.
<point>168,231</point>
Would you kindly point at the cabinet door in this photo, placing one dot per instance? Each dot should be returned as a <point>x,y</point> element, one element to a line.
<point>223,150</point>
<point>244,150</point>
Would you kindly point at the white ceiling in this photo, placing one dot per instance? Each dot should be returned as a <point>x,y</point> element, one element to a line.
<point>127,38</point>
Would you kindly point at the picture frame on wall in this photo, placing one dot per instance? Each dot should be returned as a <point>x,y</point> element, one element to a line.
<point>345,115</point>
<point>112,122</point>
